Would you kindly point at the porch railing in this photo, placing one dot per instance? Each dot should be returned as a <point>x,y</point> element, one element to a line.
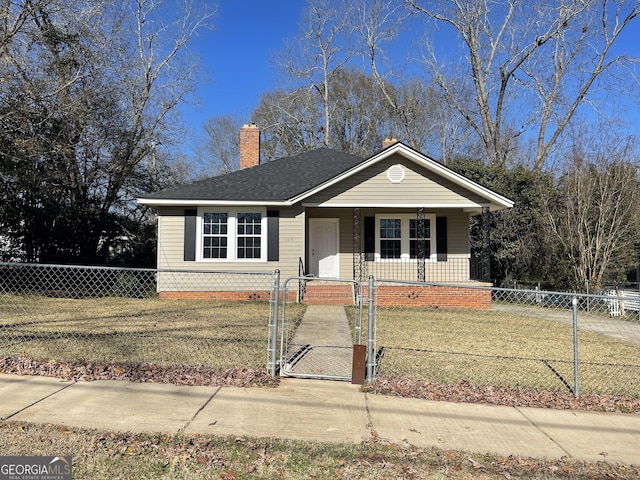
<point>453,270</point>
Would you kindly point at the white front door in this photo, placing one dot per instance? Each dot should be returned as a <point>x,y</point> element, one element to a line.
<point>323,241</point>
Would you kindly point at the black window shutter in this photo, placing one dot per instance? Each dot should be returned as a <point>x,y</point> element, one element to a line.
<point>441,238</point>
<point>369,238</point>
<point>273,235</point>
<point>190,235</point>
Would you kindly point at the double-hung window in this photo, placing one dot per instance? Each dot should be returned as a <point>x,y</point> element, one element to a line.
<point>415,235</point>
<point>232,235</point>
<point>215,232</point>
<point>390,237</point>
<point>249,235</point>
<point>398,236</point>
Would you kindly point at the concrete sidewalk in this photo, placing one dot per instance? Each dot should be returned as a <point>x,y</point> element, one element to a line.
<point>321,411</point>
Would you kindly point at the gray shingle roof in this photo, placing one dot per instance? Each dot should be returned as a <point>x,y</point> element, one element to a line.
<point>278,180</point>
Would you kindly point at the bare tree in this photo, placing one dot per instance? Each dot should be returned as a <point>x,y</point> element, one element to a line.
<point>376,24</point>
<point>361,117</point>
<point>220,151</point>
<point>290,122</point>
<point>596,216</point>
<point>418,113</point>
<point>525,68</point>
<point>312,59</point>
<point>89,97</point>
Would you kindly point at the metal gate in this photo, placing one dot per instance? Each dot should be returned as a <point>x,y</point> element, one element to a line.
<point>320,342</point>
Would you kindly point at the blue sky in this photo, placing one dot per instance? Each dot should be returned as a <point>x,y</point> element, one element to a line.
<point>237,52</point>
<point>237,56</point>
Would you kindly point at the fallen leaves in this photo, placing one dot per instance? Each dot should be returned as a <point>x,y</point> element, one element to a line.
<point>139,372</point>
<point>220,457</point>
<point>513,396</point>
<point>476,465</point>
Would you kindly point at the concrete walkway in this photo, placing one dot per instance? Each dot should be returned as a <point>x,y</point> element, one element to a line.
<point>322,345</point>
<point>324,411</point>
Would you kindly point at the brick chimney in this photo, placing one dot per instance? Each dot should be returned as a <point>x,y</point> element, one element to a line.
<point>387,142</point>
<point>249,146</point>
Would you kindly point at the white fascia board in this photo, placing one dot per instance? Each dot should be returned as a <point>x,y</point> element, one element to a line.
<point>463,206</point>
<point>496,201</point>
<point>154,202</point>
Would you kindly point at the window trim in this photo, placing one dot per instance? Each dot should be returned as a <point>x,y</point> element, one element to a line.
<point>405,239</point>
<point>232,235</point>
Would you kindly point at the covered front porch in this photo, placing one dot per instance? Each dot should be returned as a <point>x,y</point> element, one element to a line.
<point>403,244</point>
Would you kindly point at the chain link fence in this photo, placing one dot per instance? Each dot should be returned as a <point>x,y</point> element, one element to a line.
<point>525,338</point>
<point>496,337</point>
<point>321,343</point>
<point>104,315</point>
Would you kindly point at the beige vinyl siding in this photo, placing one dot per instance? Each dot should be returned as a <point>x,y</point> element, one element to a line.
<point>171,238</point>
<point>171,254</point>
<point>457,233</point>
<point>372,187</point>
<point>291,242</point>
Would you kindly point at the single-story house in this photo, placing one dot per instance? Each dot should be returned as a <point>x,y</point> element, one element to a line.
<point>396,215</point>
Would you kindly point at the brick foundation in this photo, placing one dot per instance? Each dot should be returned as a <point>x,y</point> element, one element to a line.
<point>432,296</point>
<point>257,295</point>
<point>329,294</point>
<point>342,294</point>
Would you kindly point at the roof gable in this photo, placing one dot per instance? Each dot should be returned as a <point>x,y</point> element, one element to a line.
<point>484,196</point>
<point>396,182</point>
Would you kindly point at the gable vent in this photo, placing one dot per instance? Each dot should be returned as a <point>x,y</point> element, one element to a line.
<point>395,174</point>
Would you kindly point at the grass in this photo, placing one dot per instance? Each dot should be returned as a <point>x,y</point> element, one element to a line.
<point>189,332</point>
<point>109,455</point>
<point>502,349</point>
<point>486,348</point>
